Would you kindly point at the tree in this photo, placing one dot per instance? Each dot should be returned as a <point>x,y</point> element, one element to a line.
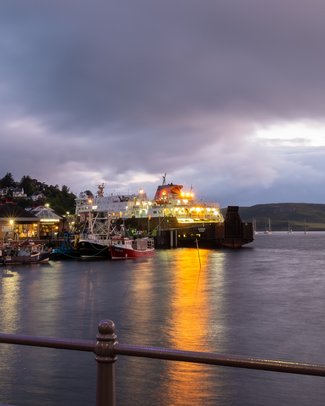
<point>29,185</point>
<point>7,181</point>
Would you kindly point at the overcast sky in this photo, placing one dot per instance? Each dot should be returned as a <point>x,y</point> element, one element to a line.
<point>225,96</point>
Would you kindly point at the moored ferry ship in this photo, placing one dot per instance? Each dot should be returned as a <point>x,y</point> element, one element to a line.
<point>174,217</point>
<point>170,201</point>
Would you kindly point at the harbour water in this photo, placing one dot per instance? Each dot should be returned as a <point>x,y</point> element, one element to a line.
<point>265,300</point>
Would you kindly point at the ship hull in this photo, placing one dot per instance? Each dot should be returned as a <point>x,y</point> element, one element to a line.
<point>25,259</point>
<point>118,252</point>
<point>168,233</point>
<point>92,250</point>
<point>58,254</point>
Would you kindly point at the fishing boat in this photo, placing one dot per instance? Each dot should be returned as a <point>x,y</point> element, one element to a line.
<point>129,248</point>
<point>24,254</point>
<point>64,251</point>
<point>94,241</point>
<point>91,247</point>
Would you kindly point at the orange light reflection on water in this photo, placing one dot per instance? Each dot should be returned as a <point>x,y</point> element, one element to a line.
<point>190,315</point>
<point>171,300</point>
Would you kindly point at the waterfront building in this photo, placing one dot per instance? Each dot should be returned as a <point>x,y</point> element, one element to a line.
<point>50,223</point>
<point>16,223</point>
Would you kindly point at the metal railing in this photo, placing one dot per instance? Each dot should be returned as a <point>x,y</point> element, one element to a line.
<point>106,348</point>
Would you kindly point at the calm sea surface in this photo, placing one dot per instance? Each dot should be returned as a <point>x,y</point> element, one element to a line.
<point>266,300</point>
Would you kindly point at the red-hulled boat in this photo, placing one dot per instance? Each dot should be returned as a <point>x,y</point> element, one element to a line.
<point>128,248</point>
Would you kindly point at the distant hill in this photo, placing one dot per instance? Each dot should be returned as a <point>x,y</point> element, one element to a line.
<point>283,216</point>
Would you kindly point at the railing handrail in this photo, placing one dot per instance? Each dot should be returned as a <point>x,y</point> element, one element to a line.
<point>49,342</point>
<point>169,354</point>
<point>221,359</point>
<point>107,348</point>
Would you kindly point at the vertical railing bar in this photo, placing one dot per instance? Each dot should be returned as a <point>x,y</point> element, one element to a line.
<point>105,357</point>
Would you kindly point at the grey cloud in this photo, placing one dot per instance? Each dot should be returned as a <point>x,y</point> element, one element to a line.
<point>158,86</point>
<point>101,64</point>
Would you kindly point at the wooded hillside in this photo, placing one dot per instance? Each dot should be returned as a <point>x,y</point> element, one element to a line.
<point>284,216</point>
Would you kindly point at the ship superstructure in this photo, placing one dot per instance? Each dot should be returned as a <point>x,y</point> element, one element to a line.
<point>169,201</point>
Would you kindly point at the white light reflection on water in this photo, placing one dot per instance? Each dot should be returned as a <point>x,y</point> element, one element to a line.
<point>9,323</point>
<point>9,289</point>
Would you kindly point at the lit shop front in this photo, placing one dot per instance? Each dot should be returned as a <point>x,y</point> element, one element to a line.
<point>50,223</point>
<point>18,228</point>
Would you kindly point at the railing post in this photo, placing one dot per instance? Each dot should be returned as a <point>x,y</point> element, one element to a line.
<point>104,350</point>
